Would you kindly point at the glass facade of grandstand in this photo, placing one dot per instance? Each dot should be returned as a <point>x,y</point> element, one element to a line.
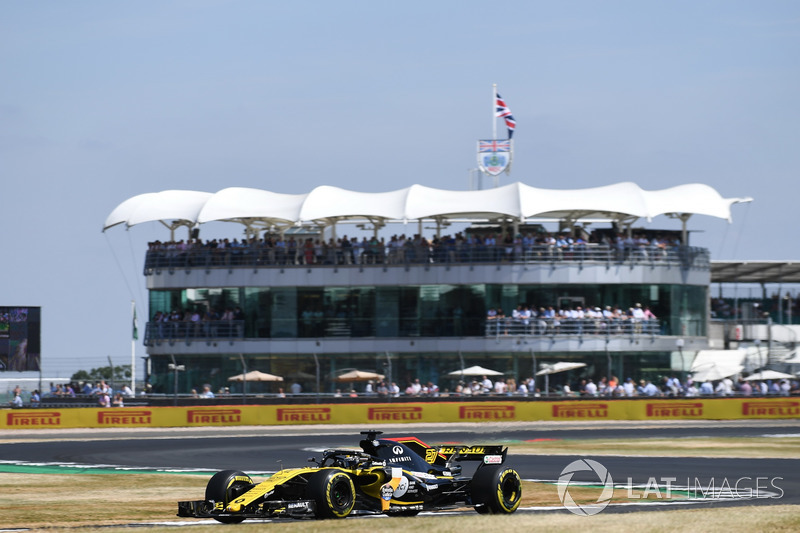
<point>417,312</point>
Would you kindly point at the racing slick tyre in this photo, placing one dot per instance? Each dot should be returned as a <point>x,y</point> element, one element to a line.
<point>496,490</point>
<point>333,492</point>
<point>226,486</point>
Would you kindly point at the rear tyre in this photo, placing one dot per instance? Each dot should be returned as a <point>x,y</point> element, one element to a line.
<point>333,492</point>
<point>496,490</point>
<point>226,486</point>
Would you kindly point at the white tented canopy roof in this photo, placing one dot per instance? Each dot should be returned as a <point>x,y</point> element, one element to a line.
<point>712,365</point>
<point>326,205</point>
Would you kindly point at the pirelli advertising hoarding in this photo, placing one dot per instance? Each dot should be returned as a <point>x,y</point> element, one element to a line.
<point>373,414</point>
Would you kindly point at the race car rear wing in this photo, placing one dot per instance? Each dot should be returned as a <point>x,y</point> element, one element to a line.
<point>488,453</point>
<point>446,455</point>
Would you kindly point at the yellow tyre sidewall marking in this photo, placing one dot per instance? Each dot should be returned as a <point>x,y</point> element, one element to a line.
<point>329,494</point>
<point>501,498</point>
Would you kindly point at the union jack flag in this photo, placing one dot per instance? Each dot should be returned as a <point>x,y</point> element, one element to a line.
<point>504,112</point>
<point>494,146</point>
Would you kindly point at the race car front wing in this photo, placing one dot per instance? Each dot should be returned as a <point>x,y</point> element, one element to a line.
<point>267,509</point>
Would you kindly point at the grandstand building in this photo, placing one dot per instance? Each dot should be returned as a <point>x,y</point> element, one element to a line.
<point>415,295</point>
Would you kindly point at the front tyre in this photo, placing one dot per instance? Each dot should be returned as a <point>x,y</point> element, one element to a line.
<point>226,486</point>
<point>333,492</point>
<point>496,490</point>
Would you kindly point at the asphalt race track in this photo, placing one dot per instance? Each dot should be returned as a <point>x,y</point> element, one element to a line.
<point>255,450</point>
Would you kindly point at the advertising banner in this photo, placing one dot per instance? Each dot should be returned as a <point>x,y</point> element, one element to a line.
<point>373,415</point>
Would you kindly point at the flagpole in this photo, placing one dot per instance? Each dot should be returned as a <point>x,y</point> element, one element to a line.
<point>494,106</point>
<point>133,348</point>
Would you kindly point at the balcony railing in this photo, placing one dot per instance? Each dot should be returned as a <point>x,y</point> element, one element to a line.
<point>170,258</point>
<point>157,332</point>
<point>573,327</point>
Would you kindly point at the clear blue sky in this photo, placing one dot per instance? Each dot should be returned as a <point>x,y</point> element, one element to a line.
<point>101,101</point>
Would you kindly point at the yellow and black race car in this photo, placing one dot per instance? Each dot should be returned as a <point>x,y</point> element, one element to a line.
<point>396,476</point>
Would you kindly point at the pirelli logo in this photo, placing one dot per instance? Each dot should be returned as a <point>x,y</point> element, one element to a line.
<point>399,413</point>
<point>486,412</point>
<point>304,414</point>
<point>675,409</point>
<point>213,416</point>
<point>771,408</point>
<point>124,417</point>
<point>581,410</point>
<point>38,419</point>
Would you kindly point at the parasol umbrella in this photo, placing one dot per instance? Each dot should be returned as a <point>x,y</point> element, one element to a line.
<point>255,375</point>
<point>555,368</point>
<point>359,375</point>
<point>768,374</point>
<point>714,371</point>
<point>475,371</point>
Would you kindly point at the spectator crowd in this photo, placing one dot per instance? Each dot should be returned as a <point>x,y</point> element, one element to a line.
<point>671,386</point>
<point>402,249</point>
<point>527,320</point>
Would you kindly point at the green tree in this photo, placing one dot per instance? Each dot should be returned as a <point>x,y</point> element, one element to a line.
<point>118,373</point>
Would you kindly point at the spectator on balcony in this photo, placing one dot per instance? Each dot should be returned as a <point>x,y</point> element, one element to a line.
<point>525,319</point>
<point>650,389</point>
<point>579,316</point>
<point>672,386</point>
<point>17,401</point>
<point>414,388</point>
<point>195,323</point>
<point>564,245</point>
<point>308,251</point>
<point>486,385</point>
<point>104,400</point>
<point>502,321</point>
<point>745,389</point>
<point>102,388</point>
<point>516,318</point>
<point>541,321</point>
<point>637,317</point>
<point>580,247</point>
<point>724,387</point>
<point>490,245</point>
<point>118,401</point>
<point>648,314</point>
<point>206,392</point>
<point>774,387</point>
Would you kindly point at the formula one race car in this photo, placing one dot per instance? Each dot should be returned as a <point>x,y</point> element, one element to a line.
<point>397,476</point>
